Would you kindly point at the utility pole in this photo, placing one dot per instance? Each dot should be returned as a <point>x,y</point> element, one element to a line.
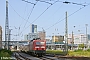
<point>6,27</point>
<point>66,35</point>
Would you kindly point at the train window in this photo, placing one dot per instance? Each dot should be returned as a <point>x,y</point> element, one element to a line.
<point>37,43</point>
<point>40,43</point>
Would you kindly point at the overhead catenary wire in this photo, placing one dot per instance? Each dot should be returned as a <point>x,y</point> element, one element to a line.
<point>39,16</point>
<point>57,11</point>
<point>24,13</point>
<point>28,2</point>
<point>44,1</point>
<point>68,16</point>
<point>56,22</point>
<point>44,11</point>
<point>17,12</point>
<point>30,14</point>
<point>33,8</point>
<point>72,3</point>
<point>28,21</point>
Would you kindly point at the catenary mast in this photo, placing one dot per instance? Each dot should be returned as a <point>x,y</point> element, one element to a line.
<point>66,35</point>
<point>6,28</point>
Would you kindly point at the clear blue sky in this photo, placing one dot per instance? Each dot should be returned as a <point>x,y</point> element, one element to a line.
<point>20,10</point>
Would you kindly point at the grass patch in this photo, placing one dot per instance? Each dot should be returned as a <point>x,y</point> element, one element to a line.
<point>8,52</point>
<point>79,53</point>
<point>5,53</point>
<point>54,52</point>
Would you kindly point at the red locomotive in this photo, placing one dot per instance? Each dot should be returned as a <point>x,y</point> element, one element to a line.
<point>37,47</point>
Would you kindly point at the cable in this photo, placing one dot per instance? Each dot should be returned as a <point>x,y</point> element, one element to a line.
<point>24,12</point>
<point>58,21</point>
<point>68,16</point>
<point>44,1</point>
<point>28,2</point>
<point>30,13</point>
<point>29,16</point>
<point>20,15</point>
<point>44,12</point>
<point>56,11</point>
<point>71,3</point>
<point>17,12</point>
<point>39,16</point>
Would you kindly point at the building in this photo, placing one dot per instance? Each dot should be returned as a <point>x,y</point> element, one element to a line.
<point>0,37</point>
<point>26,37</point>
<point>88,37</point>
<point>57,39</point>
<point>32,36</point>
<point>42,35</point>
<point>83,39</point>
<point>33,28</point>
<point>70,39</point>
<point>48,41</point>
<point>79,39</point>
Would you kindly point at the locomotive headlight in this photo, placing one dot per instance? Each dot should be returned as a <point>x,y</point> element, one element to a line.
<point>42,47</point>
<point>37,47</point>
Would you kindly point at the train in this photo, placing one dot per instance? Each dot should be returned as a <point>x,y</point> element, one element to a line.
<point>36,47</point>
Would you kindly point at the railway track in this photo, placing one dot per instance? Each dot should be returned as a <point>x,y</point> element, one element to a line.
<point>23,56</point>
<point>18,56</point>
<point>48,58</point>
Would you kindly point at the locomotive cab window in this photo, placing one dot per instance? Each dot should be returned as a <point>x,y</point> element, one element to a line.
<point>40,43</point>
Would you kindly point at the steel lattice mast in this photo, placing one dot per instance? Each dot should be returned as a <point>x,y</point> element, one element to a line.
<point>6,27</point>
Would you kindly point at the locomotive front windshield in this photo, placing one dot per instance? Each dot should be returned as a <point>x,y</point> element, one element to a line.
<point>40,43</point>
